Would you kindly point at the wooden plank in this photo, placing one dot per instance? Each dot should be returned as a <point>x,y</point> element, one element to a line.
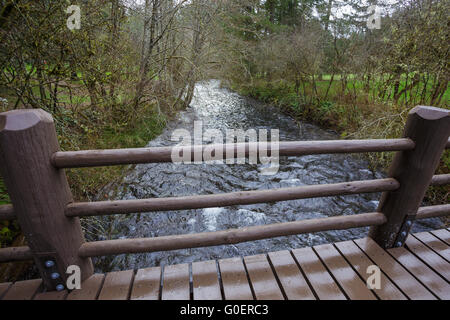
<point>421,271</point>
<point>23,290</point>
<point>176,282</point>
<point>262,279</point>
<point>360,262</point>
<point>4,287</point>
<point>7,212</point>
<point>90,288</point>
<point>443,235</point>
<point>90,158</point>
<point>429,128</point>
<point>205,281</point>
<point>13,254</point>
<point>234,279</point>
<point>395,271</point>
<point>51,295</point>
<point>147,283</point>
<point>435,244</point>
<point>440,180</point>
<point>433,211</point>
<point>230,236</point>
<point>117,285</point>
<point>434,261</point>
<point>347,278</point>
<point>97,208</point>
<point>319,278</point>
<point>292,280</point>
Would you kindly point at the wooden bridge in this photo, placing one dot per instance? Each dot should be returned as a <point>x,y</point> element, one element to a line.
<point>412,266</point>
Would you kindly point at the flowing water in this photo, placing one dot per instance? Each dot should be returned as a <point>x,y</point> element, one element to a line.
<point>222,109</point>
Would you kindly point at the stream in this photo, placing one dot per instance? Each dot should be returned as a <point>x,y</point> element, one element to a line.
<point>220,108</point>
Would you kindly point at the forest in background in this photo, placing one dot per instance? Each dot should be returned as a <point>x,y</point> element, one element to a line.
<point>322,61</point>
<point>133,64</point>
<point>112,83</point>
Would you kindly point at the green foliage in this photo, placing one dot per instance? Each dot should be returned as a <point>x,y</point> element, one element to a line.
<point>85,78</point>
<point>6,235</point>
<point>4,198</point>
<point>361,120</point>
<point>8,230</point>
<point>325,107</point>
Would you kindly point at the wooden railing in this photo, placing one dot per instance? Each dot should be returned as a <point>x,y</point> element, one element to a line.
<point>32,166</point>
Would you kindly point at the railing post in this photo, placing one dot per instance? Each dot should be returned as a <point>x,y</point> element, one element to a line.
<point>429,128</point>
<point>40,193</point>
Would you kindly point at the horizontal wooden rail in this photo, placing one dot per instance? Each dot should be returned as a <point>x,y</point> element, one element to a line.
<point>232,236</point>
<point>433,211</point>
<point>440,180</point>
<point>7,212</point>
<point>229,199</point>
<point>43,203</point>
<point>93,158</point>
<point>15,254</point>
<point>304,226</point>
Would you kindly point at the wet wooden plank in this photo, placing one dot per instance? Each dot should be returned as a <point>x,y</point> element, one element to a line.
<point>438,246</point>
<point>443,235</point>
<point>117,285</point>
<point>263,280</point>
<point>176,282</point>
<point>395,271</point>
<point>360,262</point>
<point>23,290</point>
<point>205,281</point>
<point>90,288</point>
<point>51,295</point>
<point>4,288</point>
<point>321,281</point>
<point>292,280</point>
<point>347,278</point>
<point>431,258</point>
<point>147,283</point>
<point>234,279</point>
<point>428,277</point>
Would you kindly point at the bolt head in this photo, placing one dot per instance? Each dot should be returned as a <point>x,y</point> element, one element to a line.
<point>399,244</point>
<point>54,275</point>
<point>59,287</point>
<point>408,223</point>
<point>403,234</point>
<point>49,263</point>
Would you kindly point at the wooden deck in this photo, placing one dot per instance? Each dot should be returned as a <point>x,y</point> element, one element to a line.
<point>420,270</point>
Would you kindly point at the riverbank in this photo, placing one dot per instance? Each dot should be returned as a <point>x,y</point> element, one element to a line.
<point>221,109</point>
<point>358,118</point>
<point>218,108</point>
<point>84,129</point>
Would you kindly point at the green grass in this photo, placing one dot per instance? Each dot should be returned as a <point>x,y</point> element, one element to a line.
<point>132,136</point>
<point>9,230</point>
<point>86,182</point>
<point>283,92</point>
<point>87,127</point>
<point>356,115</point>
<point>110,134</point>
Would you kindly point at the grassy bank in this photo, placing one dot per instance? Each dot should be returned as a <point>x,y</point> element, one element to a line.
<point>87,128</point>
<point>360,115</point>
